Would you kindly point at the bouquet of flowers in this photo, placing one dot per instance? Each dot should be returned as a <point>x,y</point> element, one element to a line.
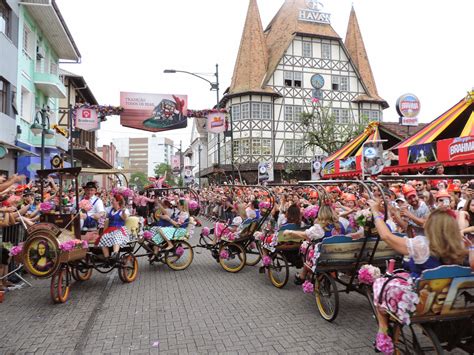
<point>311,213</point>
<point>363,217</point>
<point>73,244</point>
<point>46,207</point>
<point>368,274</point>
<point>124,191</point>
<point>147,235</point>
<point>264,205</point>
<point>85,205</point>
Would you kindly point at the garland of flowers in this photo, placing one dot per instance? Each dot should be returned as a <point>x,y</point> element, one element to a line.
<point>102,110</point>
<point>205,113</point>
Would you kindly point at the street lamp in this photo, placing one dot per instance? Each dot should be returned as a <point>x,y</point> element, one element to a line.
<point>41,126</point>
<point>199,163</point>
<point>214,87</point>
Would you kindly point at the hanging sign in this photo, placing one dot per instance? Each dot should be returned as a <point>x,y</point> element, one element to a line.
<point>87,119</point>
<point>175,164</point>
<point>265,172</point>
<point>316,166</point>
<point>216,122</point>
<point>408,107</point>
<point>153,112</point>
<point>373,158</point>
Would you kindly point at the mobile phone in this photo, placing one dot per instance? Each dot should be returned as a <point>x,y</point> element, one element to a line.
<point>446,202</point>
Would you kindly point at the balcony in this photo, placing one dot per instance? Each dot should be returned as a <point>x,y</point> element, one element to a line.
<point>50,85</point>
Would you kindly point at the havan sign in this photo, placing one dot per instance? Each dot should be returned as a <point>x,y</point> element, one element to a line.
<point>313,13</point>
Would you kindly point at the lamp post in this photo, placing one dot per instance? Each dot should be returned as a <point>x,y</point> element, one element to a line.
<point>199,164</point>
<point>41,126</point>
<point>214,87</point>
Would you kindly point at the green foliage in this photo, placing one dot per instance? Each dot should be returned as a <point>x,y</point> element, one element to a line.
<point>324,132</point>
<point>163,168</point>
<point>139,179</point>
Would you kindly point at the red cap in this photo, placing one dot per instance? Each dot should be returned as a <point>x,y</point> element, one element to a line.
<point>408,191</point>
<point>454,188</point>
<point>313,194</point>
<point>442,194</point>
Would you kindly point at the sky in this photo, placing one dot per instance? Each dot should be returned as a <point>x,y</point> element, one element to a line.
<point>414,46</point>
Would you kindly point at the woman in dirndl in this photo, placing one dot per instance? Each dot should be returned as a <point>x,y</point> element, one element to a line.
<point>178,229</point>
<point>116,234</point>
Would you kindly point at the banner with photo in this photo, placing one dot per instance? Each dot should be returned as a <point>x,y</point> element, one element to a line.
<point>188,176</point>
<point>348,164</point>
<point>373,161</point>
<point>422,153</point>
<point>316,166</point>
<point>153,112</point>
<point>216,122</point>
<point>175,164</point>
<point>265,172</point>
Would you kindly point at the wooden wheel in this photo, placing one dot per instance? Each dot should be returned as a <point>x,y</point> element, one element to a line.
<point>181,256</point>
<point>128,268</point>
<point>413,339</point>
<point>279,270</point>
<point>327,296</point>
<point>60,285</point>
<point>232,257</point>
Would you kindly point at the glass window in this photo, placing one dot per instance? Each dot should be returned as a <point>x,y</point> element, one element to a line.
<point>26,111</point>
<point>288,78</point>
<point>307,49</point>
<point>5,16</point>
<point>298,79</point>
<point>245,111</point>
<point>289,148</point>
<point>235,112</point>
<point>336,112</point>
<point>288,113</point>
<point>28,42</point>
<point>335,82</point>
<point>267,111</point>
<point>297,110</point>
<point>326,51</point>
<point>344,116</point>
<point>3,95</point>
<point>266,147</point>
<point>299,148</point>
<point>236,147</point>
<point>256,146</point>
<point>344,80</point>
<point>374,116</point>
<point>366,114</point>
<point>256,110</point>
<point>245,148</point>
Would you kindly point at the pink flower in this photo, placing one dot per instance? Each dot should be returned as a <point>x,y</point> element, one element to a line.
<point>384,343</point>
<point>193,205</point>
<point>179,251</point>
<point>308,287</point>
<point>264,205</point>
<point>311,212</point>
<point>16,250</point>
<point>147,235</point>
<point>46,207</point>
<point>205,231</point>
<point>85,205</point>
<point>266,260</point>
<point>224,254</point>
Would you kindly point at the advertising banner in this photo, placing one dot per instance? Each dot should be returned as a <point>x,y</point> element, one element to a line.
<point>348,164</point>
<point>216,122</point>
<point>87,119</point>
<point>153,112</point>
<point>188,177</point>
<point>373,158</point>
<point>175,164</point>
<point>422,153</point>
<point>265,172</point>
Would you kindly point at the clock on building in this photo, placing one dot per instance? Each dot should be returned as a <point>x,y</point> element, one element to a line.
<point>317,81</point>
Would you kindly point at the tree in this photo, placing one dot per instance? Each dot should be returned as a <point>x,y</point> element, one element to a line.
<point>323,131</point>
<point>139,179</point>
<point>163,168</point>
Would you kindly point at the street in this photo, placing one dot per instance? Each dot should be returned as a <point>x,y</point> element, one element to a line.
<point>199,310</point>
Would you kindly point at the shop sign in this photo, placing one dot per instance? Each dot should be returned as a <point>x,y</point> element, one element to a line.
<point>408,107</point>
<point>265,172</point>
<point>87,119</point>
<point>461,147</point>
<point>216,122</point>
<point>176,164</point>
<point>313,13</point>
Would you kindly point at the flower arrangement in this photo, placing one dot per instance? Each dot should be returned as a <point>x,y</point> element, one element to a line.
<point>363,217</point>
<point>16,250</point>
<point>72,244</point>
<point>124,191</point>
<point>384,343</point>
<point>193,205</point>
<point>311,212</point>
<point>224,254</point>
<point>85,205</point>
<point>205,231</point>
<point>264,205</point>
<point>46,207</point>
<point>308,287</point>
<point>368,274</point>
<point>266,260</point>
<point>179,251</point>
<point>147,235</point>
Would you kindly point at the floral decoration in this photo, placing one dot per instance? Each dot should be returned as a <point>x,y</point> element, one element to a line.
<point>308,287</point>
<point>16,250</point>
<point>266,260</point>
<point>363,217</point>
<point>179,251</point>
<point>72,244</point>
<point>224,254</point>
<point>368,274</point>
<point>264,205</point>
<point>384,343</point>
<point>311,212</point>
<point>85,205</point>
<point>147,235</point>
<point>205,231</point>
<point>46,207</point>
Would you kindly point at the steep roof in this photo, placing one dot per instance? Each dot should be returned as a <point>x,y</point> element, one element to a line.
<point>356,48</point>
<point>252,59</point>
<point>285,26</point>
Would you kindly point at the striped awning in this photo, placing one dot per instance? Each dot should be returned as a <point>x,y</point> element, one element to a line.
<point>371,133</point>
<point>433,130</point>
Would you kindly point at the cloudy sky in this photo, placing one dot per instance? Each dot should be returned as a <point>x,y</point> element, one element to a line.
<point>419,46</point>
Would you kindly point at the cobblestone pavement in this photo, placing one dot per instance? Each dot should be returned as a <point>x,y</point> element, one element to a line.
<point>199,310</point>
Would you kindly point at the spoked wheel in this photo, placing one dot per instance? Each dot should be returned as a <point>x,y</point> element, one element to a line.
<point>181,256</point>
<point>60,284</point>
<point>416,340</point>
<point>128,268</point>
<point>253,254</point>
<point>279,270</point>
<point>327,297</point>
<point>80,271</point>
<point>232,257</point>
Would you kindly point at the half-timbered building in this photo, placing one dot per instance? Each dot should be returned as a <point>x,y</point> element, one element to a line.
<point>278,74</point>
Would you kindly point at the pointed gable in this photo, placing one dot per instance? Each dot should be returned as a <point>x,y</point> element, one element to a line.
<point>356,49</point>
<point>252,59</point>
<point>285,26</point>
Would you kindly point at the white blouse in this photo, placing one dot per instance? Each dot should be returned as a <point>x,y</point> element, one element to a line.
<point>418,248</point>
